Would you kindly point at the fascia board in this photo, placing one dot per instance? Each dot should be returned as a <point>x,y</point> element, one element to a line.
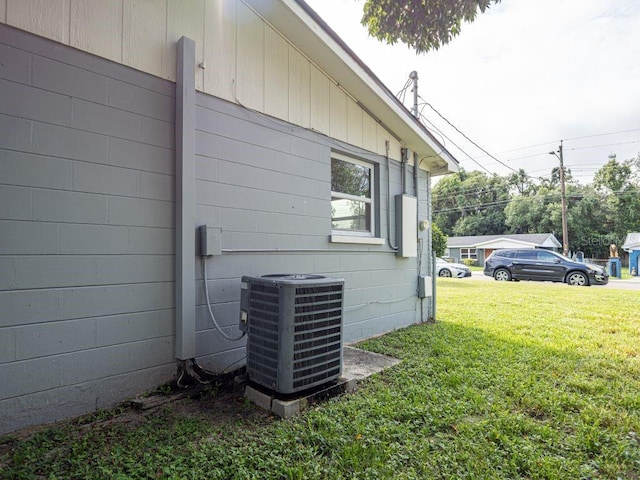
<point>291,18</point>
<point>488,244</point>
<point>631,246</point>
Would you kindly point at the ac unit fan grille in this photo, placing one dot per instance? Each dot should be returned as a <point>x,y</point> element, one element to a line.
<point>317,340</point>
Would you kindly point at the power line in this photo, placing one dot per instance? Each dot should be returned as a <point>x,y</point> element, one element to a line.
<point>604,134</point>
<point>604,145</point>
<point>552,195</point>
<point>465,136</point>
<point>422,117</point>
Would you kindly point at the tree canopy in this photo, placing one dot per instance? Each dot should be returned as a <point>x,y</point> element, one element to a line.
<point>474,203</point>
<point>421,24</point>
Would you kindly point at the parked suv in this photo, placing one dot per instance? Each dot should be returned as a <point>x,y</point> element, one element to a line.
<point>543,265</point>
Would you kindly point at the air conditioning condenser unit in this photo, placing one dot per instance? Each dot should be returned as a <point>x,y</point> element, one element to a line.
<point>294,330</point>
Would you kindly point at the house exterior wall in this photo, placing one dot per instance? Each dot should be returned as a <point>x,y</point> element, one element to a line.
<point>87,227</point>
<point>267,185</point>
<point>86,231</point>
<point>245,60</point>
<point>634,262</point>
<point>454,253</point>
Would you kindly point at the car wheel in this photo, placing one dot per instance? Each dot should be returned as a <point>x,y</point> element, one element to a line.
<point>577,279</point>
<point>502,275</point>
<point>445,272</point>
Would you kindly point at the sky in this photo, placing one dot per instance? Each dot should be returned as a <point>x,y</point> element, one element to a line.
<point>518,80</point>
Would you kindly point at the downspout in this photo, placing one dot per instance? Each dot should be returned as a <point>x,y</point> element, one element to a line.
<point>185,201</point>
<point>430,250</point>
<point>420,249</point>
<point>386,156</point>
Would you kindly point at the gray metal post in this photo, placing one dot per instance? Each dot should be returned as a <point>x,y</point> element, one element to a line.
<point>185,199</point>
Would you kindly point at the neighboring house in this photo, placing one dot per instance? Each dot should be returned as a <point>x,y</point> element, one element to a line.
<point>632,245</point>
<point>126,126</point>
<point>479,247</point>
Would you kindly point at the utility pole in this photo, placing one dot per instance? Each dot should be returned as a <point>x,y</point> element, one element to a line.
<point>563,201</point>
<point>414,76</point>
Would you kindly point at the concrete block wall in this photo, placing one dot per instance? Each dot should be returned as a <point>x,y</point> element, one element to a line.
<point>267,184</point>
<point>86,231</point>
<point>87,227</point>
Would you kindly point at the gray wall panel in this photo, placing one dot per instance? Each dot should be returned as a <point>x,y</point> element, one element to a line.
<point>140,212</point>
<point>141,156</point>
<point>157,132</point>
<point>86,231</point>
<point>106,120</point>
<point>15,203</point>
<point>34,104</point>
<point>40,340</point>
<point>29,376</point>
<point>113,360</point>
<point>131,327</point>
<point>36,170</point>
<point>79,398</point>
<point>129,97</point>
<point>105,179</point>
<point>25,307</point>
<point>7,344</point>
<point>28,238</point>
<point>69,143</point>
<point>82,239</point>
<point>67,80</point>
<point>64,206</point>
<point>157,186</point>
<point>16,133</point>
<point>151,241</point>
<point>15,65</point>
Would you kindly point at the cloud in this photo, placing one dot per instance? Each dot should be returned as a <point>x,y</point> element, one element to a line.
<point>522,74</point>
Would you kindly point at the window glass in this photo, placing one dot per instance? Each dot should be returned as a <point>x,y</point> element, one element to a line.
<point>468,253</point>
<point>350,178</point>
<point>351,195</point>
<point>546,256</point>
<point>527,254</point>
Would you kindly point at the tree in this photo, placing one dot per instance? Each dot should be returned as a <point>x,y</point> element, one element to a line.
<point>620,182</point>
<point>421,24</point>
<point>438,241</point>
<point>471,203</point>
<point>587,216</point>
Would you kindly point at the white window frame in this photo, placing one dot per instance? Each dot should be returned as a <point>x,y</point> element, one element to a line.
<point>471,253</point>
<point>358,236</point>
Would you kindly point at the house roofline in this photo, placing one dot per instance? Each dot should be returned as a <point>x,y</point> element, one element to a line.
<point>330,53</point>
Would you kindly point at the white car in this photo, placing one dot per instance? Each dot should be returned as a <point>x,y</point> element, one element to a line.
<point>456,270</point>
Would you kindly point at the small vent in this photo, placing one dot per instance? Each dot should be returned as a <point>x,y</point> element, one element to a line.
<point>294,326</point>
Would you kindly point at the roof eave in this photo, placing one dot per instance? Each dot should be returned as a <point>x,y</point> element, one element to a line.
<point>306,29</point>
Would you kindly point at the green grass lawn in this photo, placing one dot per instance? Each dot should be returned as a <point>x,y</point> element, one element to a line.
<point>515,380</point>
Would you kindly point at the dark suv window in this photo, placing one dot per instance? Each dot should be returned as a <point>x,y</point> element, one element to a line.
<point>545,256</point>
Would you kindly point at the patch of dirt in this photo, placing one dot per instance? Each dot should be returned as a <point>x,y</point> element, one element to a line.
<point>219,402</point>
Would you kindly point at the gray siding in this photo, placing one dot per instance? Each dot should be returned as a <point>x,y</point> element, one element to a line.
<point>86,231</point>
<point>267,184</point>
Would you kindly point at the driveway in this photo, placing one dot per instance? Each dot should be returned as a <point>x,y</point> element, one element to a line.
<point>629,284</point>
